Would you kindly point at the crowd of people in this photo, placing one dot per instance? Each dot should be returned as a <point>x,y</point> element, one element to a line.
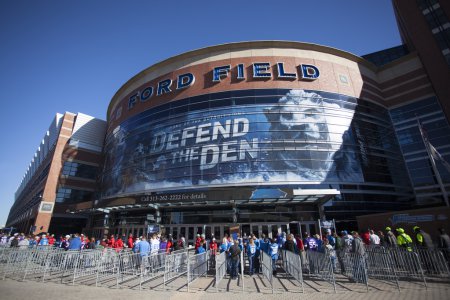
<point>330,242</point>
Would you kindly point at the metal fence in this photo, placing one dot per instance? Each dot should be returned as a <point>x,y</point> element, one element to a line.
<point>320,265</point>
<point>109,268</point>
<point>221,268</point>
<point>267,268</point>
<point>292,264</point>
<point>176,265</point>
<point>197,267</point>
<point>380,266</point>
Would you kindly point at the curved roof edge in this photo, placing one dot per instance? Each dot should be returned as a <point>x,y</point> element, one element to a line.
<point>239,45</point>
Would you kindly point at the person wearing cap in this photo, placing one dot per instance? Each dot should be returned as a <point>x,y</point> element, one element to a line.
<point>15,241</point>
<point>423,239</point>
<point>391,240</point>
<point>404,240</point>
<point>348,240</point>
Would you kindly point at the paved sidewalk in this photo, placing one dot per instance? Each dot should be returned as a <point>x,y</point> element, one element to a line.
<point>255,288</point>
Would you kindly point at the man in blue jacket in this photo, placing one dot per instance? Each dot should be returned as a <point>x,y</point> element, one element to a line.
<point>75,243</point>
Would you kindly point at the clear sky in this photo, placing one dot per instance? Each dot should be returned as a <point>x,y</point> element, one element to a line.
<point>58,56</point>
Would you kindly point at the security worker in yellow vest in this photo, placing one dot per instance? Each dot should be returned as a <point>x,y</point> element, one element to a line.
<point>423,239</point>
<point>404,240</point>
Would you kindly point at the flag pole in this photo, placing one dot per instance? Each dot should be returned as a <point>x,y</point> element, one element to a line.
<point>433,163</point>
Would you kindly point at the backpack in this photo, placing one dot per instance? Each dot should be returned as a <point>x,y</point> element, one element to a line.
<point>235,251</point>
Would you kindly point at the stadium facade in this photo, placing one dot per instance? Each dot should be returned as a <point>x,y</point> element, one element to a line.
<point>267,135</point>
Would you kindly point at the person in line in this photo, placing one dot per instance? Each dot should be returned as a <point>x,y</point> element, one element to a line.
<point>130,241</point>
<point>289,244</point>
<point>118,245</point>
<point>311,243</point>
<point>163,245</point>
<point>154,245</point>
<point>382,238</point>
<point>201,248</point>
<point>331,239</point>
<point>391,240</point>
<point>423,239</point>
<point>43,241</point>
<point>444,239</point>
<point>24,243</point>
<point>91,244</point>
<point>111,241</point>
<point>235,253</point>
<point>404,240</point>
<point>374,239</point>
<point>14,242</point>
<point>358,248</point>
<point>143,247</point>
<point>169,246</point>
<point>273,252</point>
<point>75,243</point>
<point>251,255</point>
<point>51,240</point>
<point>329,250</point>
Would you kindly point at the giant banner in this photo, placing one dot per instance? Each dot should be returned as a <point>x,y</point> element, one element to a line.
<point>301,137</point>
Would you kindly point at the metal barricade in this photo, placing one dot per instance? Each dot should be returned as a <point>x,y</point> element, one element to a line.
<point>129,267</point>
<point>53,265</point>
<point>16,261</point>
<point>380,265</point>
<point>221,268</point>
<point>321,265</point>
<point>356,268</point>
<point>292,265</point>
<point>86,265</point>
<point>407,264</point>
<point>433,262</point>
<point>197,267</point>
<point>37,262</point>
<point>152,266</point>
<point>69,264</point>
<point>267,268</point>
<point>176,265</point>
<point>108,267</point>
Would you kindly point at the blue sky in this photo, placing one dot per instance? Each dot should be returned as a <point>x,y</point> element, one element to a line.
<point>59,56</point>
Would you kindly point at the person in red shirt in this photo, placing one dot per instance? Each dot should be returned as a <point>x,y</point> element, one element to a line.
<point>300,245</point>
<point>111,241</point>
<point>213,246</point>
<point>118,245</point>
<point>197,241</point>
<point>51,240</point>
<point>366,237</point>
<point>130,241</point>
<point>169,245</point>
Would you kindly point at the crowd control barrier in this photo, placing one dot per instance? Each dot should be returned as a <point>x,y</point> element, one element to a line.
<point>197,267</point>
<point>221,268</point>
<point>292,264</point>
